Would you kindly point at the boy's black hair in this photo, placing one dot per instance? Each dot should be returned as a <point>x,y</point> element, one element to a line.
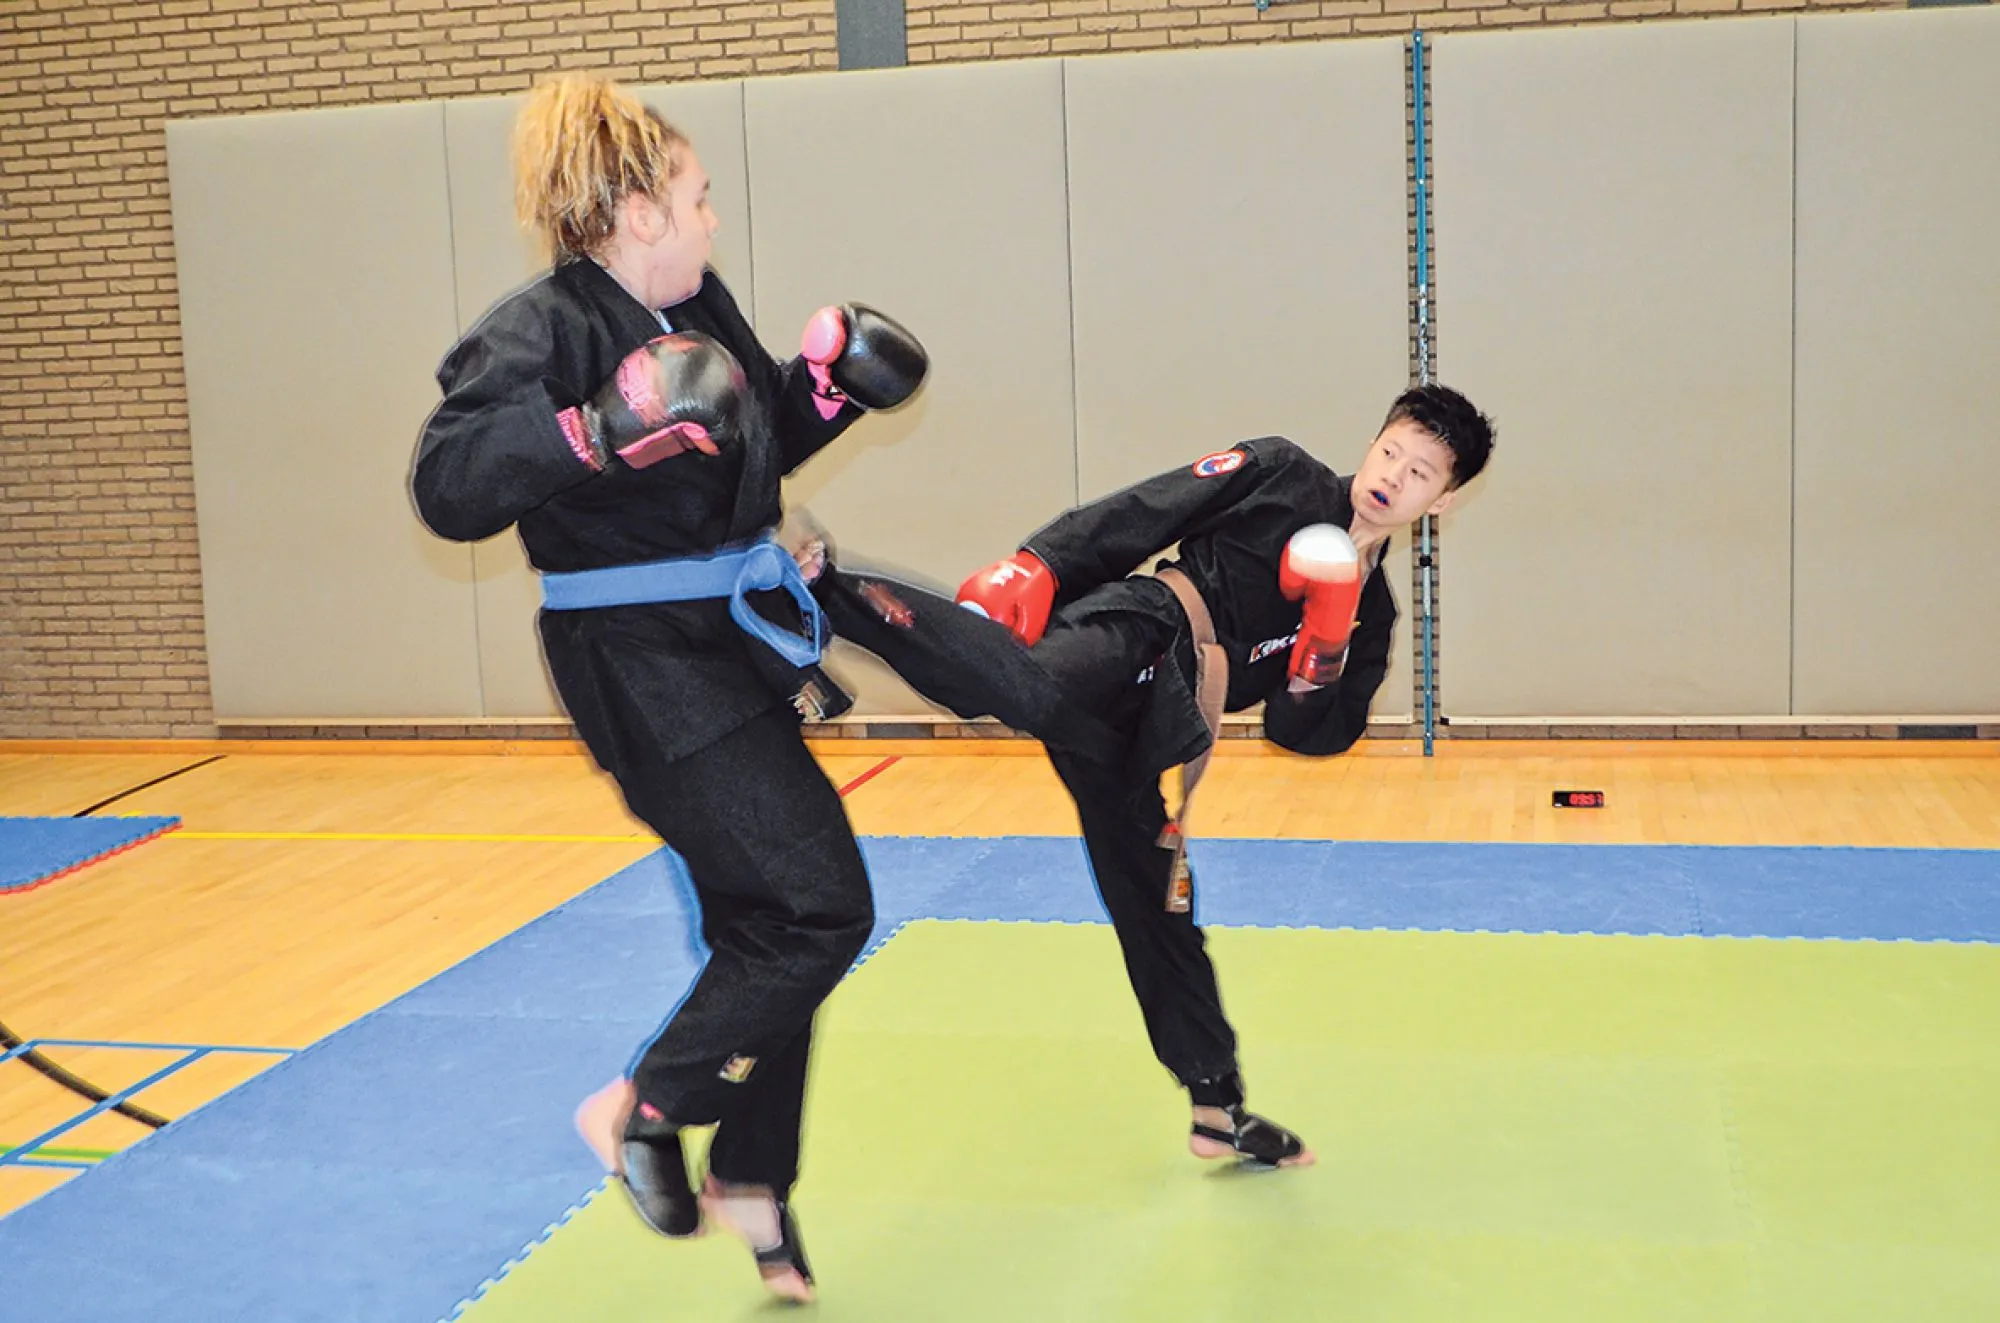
<point>1453,420</point>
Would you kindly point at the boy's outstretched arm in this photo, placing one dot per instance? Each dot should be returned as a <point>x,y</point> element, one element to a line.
<point>1109,538</point>
<point>1329,719</point>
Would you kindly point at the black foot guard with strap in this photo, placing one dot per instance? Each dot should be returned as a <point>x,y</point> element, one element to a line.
<point>656,1178</point>
<point>1260,1143</point>
<point>790,1251</point>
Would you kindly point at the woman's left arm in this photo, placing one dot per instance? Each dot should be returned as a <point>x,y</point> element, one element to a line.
<point>784,390</point>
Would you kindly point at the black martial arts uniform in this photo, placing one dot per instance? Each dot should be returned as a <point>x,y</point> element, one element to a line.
<point>1121,648</point>
<point>692,717</point>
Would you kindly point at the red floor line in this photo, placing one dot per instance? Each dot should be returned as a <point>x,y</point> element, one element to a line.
<point>871,774</point>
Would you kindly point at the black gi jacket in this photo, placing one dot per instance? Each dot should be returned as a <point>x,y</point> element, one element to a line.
<point>643,683</point>
<point>1232,517</point>
<point>1232,528</point>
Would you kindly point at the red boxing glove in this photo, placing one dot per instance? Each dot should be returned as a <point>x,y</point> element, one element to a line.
<point>1019,592</point>
<point>1321,566</point>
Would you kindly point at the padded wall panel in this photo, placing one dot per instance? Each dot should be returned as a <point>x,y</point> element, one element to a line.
<point>314,258</point>
<point>1240,261</point>
<point>1898,579</point>
<point>935,195</point>
<point>1614,285</point>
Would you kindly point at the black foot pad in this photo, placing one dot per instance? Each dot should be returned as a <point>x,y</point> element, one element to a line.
<point>1258,1142</point>
<point>656,1178</point>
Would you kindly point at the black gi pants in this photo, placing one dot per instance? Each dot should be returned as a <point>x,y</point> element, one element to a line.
<point>785,909</point>
<point>1093,660</point>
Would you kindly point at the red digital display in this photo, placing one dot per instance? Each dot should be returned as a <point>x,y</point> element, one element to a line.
<point>1579,799</point>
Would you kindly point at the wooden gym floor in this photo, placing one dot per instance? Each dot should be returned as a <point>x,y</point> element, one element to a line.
<point>308,886</point>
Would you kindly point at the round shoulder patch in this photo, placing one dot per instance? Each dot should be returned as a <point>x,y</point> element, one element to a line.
<point>1219,463</point>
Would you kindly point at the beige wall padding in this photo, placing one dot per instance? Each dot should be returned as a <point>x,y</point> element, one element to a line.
<point>314,255</point>
<point>1898,570</point>
<point>936,196</point>
<point>1614,274</point>
<point>1240,262</point>
<point>1121,263</point>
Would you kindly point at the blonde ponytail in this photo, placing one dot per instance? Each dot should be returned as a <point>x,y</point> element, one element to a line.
<point>582,145</point>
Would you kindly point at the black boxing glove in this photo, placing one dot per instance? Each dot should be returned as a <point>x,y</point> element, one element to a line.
<point>673,394</point>
<point>856,353</point>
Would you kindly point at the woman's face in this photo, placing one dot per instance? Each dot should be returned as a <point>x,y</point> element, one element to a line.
<point>686,239</point>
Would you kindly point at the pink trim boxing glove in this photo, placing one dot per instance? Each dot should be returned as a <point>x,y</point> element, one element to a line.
<point>673,394</point>
<point>824,340</point>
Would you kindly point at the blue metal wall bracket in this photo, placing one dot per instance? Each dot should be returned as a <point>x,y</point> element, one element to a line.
<point>1426,552</point>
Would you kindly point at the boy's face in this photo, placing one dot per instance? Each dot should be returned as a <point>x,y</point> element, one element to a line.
<point>1405,475</point>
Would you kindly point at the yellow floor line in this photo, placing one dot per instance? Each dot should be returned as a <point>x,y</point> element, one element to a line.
<point>403,836</point>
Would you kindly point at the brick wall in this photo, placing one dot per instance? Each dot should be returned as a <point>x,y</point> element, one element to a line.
<point>100,584</point>
<point>949,30</point>
<point>100,588</point>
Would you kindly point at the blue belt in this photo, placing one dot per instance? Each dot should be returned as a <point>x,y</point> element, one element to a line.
<point>732,572</point>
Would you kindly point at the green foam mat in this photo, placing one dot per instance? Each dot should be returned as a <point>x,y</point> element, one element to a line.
<point>1510,1126</point>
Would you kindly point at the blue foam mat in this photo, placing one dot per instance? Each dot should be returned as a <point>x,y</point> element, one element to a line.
<point>387,1171</point>
<point>33,850</point>
<point>1708,891</point>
